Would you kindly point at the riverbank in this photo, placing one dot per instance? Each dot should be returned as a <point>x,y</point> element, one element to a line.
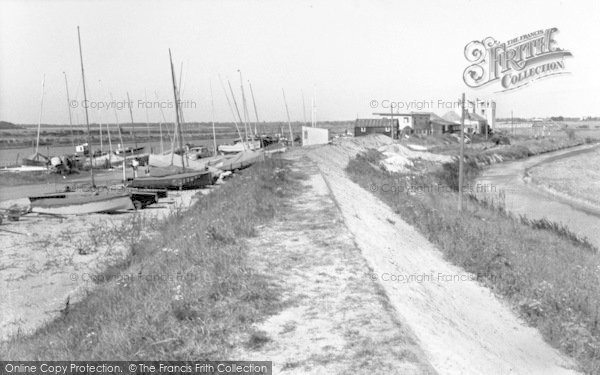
<point>183,288</point>
<point>551,281</point>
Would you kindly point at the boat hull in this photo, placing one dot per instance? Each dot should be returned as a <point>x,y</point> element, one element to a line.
<point>239,147</point>
<point>130,151</point>
<point>180,181</point>
<point>241,160</point>
<point>33,163</point>
<point>80,203</point>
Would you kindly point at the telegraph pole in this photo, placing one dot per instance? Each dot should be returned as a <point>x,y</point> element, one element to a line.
<point>462,153</point>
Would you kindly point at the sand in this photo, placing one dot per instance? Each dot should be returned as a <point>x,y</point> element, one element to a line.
<point>44,261</point>
<point>333,320</point>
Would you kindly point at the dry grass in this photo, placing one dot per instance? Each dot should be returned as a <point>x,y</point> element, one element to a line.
<point>550,278</point>
<point>184,292</point>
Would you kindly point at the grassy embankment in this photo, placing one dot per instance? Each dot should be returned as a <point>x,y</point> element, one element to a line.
<point>548,274</point>
<point>186,291</point>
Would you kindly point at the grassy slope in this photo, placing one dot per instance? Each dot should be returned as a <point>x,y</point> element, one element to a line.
<point>551,279</point>
<point>196,296</point>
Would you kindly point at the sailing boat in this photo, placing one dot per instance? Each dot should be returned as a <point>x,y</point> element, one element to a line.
<point>37,159</point>
<point>240,145</point>
<point>172,177</point>
<point>78,203</point>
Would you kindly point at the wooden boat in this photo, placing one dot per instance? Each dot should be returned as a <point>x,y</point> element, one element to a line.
<point>130,150</point>
<point>36,160</point>
<point>142,199</point>
<point>81,203</point>
<point>239,146</point>
<point>241,160</point>
<point>176,181</point>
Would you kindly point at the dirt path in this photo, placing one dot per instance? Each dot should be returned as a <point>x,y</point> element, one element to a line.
<point>462,327</point>
<point>334,320</point>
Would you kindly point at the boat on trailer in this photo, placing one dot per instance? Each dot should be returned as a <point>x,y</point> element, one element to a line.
<point>81,203</point>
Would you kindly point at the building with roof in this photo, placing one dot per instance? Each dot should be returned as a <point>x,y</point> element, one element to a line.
<point>421,123</point>
<point>483,108</point>
<point>474,123</point>
<point>440,125</point>
<point>384,126</point>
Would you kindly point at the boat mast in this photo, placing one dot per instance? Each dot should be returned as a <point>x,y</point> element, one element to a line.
<point>87,120</point>
<point>255,112</point>
<point>175,96</point>
<point>132,124</point>
<point>164,120</point>
<point>146,107</point>
<point>231,108</point>
<point>37,142</point>
<point>212,112</point>
<point>180,96</point>
<point>288,117</point>
<point>107,123</point>
<point>303,108</point>
<point>69,107</point>
<point>238,113</point>
<point>244,106</point>
<point>314,106</point>
<point>120,138</point>
<point>100,127</point>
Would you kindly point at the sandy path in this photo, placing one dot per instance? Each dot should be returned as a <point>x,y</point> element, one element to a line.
<point>41,265</point>
<point>462,327</point>
<point>333,321</point>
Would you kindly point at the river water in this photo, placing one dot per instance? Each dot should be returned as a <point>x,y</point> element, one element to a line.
<point>525,198</point>
<point>10,156</point>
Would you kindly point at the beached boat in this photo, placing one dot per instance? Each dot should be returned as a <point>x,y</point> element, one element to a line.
<point>174,181</point>
<point>239,146</point>
<point>241,160</point>
<point>81,203</point>
<point>130,150</point>
<point>36,160</point>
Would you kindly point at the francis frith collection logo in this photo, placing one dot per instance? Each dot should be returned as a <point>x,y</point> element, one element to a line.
<point>514,63</point>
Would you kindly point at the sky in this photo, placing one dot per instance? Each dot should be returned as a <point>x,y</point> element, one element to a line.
<point>345,54</point>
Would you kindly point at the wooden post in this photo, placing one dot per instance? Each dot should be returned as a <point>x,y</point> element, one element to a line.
<point>87,120</point>
<point>462,153</point>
